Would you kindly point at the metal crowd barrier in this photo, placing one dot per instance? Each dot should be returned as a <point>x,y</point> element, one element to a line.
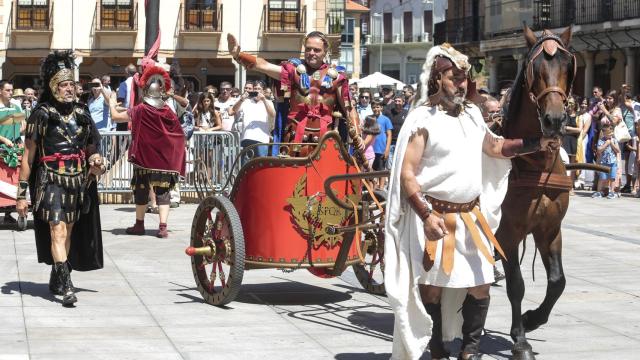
<point>212,152</point>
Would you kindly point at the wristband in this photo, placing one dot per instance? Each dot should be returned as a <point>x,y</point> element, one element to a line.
<point>247,60</point>
<point>23,185</point>
<point>420,205</point>
<point>514,147</point>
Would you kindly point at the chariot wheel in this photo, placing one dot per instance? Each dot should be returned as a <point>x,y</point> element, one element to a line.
<point>217,250</point>
<point>371,273</point>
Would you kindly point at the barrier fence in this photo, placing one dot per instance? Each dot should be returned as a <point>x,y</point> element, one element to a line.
<point>212,152</point>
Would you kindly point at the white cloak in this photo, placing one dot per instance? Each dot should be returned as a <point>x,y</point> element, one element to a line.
<point>404,235</point>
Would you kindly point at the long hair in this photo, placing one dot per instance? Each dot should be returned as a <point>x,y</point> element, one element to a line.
<point>200,110</point>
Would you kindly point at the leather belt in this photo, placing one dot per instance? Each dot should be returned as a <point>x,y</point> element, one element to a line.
<point>449,211</point>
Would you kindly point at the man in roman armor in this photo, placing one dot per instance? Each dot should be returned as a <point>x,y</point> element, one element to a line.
<point>447,183</point>
<point>157,149</point>
<point>59,167</point>
<point>317,92</point>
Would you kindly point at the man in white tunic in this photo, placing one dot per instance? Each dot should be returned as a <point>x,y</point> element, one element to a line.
<point>447,166</point>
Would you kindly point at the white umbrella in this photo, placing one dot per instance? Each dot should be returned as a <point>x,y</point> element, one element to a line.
<point>376,80</point>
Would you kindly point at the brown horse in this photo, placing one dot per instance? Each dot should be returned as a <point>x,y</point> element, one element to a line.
<point>538,193</point>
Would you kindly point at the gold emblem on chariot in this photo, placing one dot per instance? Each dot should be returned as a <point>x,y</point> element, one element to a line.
<point>312,214</point>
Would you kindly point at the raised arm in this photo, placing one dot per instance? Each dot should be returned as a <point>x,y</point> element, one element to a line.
<point>252,62</point>
<point>498,147</point>
<point>116,115</point>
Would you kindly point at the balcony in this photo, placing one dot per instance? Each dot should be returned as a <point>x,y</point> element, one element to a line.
<point>201,20</point>
<point>284,21</point>
<point>549,14</point>
<point>31,26</point>
<point>116,18</point>
<point>115,25</point>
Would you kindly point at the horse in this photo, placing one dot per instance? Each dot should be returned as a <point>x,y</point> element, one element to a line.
<point>538,192</point>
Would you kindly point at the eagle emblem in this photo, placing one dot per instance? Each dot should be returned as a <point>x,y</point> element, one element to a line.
<point>313,214</point>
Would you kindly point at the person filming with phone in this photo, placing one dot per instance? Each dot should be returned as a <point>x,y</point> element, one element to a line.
<point>258,116</point>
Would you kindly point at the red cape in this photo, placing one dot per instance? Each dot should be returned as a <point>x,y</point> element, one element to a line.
<point>157,140</point>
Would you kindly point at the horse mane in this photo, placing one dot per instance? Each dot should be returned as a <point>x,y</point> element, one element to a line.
<point>512,105</point>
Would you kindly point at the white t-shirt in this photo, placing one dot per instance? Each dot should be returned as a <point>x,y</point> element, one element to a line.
<point>227,120</point>
<point>256,121</point>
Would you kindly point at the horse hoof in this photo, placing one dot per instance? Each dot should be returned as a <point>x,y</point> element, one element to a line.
<point>522,351</point>
<point>531,320</point>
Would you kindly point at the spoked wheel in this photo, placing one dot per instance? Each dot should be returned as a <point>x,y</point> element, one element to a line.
<point>371,273</point>
<point>217,250</point>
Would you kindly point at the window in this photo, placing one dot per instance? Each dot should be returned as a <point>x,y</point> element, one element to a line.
<point>496,7</point>
<point>335,17</point>
<point>32,14</point>
<point>117,14</point>
<point>346,58</point>
<point>201,15</point>
<point>348,31</point>
<point>284,16</point>
<point>428,22</point>
<point>408,26</point>
<point>388,26</point>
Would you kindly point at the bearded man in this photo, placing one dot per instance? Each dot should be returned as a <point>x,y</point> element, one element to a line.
<point>317,92</point>
<point>438,238</point>
<point>59,166</point>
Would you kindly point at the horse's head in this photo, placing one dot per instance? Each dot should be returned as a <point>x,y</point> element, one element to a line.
<point>549,73</point>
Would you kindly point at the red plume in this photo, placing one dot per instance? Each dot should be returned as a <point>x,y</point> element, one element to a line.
<point>155,70</point>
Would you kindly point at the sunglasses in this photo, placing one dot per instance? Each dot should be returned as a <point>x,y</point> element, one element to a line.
<point>225,89</point>
<point>364,97</point>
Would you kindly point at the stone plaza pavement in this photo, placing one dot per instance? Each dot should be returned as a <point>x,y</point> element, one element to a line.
<point>144,305</point>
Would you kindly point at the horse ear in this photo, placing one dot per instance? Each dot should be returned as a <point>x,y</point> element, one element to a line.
<point>529,36</point>
<point>566,36</point>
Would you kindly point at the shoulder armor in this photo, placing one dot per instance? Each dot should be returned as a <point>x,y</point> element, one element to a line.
<point>341,68</point>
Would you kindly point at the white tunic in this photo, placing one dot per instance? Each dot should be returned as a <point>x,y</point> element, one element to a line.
<point>453,168</point>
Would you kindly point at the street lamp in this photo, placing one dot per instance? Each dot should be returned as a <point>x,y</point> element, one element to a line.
<point>379,15</point>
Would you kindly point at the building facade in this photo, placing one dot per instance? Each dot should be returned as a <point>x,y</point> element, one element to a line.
<point>400,34</point>
<point>606,38</point>
<point>352,52</point>
<point>107,35</point>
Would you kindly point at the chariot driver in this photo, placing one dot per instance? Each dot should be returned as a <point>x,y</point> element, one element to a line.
<point>59,165</point>
<point>448,180</point>
<point>318,92</point>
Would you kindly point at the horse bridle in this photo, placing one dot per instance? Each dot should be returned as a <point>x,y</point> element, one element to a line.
<point>535,51</point>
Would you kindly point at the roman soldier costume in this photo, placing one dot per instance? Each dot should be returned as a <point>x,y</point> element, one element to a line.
<point>61,188</point>
<point>157,145</point>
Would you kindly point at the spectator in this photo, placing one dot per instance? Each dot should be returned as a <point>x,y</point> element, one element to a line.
<point>268,93</point>
<point>492,113</point>
<point>408,92</point>
<point>583,122</point>
<point>382,144</point>
<point>239,115</point>
<point>612,115</point>
<point>353,90</point>
<point>370,130</point>
<point>206,117</point>
<point>99,106</point>
<point>387,96</point>
<point>224,103</point>
<point>9,140</point>
<point>258,114</point>
<point>628,116</point>
<point>26,107</point>
<point>106,82</point>
<point>607,148</point>
<point>235,93</point>
<point>570,139</point>
<point>31,95</point>
<point>397,114</point>
<point>17,96</point>
<point>363,108</point>
<point>213,90</point>
<point>124,89</point>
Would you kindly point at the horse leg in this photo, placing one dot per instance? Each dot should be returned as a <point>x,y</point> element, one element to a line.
<point>515,291</point>
<point>551,255</point>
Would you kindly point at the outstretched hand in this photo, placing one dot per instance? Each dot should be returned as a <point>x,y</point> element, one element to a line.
<point>234,47</point>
